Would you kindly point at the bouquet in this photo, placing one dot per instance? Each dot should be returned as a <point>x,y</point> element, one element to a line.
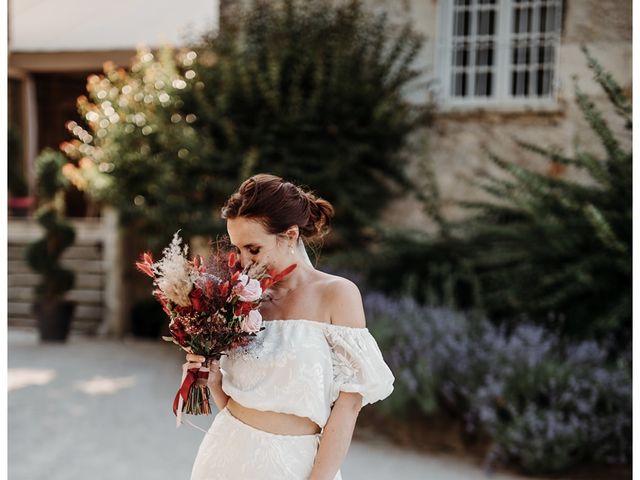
<point>212,306</point>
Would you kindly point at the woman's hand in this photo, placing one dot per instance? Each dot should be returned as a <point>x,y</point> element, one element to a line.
<point>195,361</point>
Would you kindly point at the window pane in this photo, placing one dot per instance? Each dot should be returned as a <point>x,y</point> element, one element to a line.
<point>483,84</point>
<point>535,35</point>
<point>520,54</point>
<point>460,55</point>
<point>486,22</point>
<point>484,55</point>
<point>520,83</point>
<point>459,85</point>
<point>462,23</point>
<point>473,47</point>
<point>544,82</point>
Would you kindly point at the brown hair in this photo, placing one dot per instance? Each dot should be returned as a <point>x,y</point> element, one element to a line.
<point>278,204</point>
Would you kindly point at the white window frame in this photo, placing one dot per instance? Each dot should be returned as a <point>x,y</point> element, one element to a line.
<point>501,98</point>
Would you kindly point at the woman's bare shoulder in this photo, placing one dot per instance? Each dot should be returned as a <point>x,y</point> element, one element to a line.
<point>343,300</point>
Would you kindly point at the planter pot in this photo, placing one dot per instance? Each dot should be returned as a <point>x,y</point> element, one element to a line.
<point>20,206</point>
<point>54,319</point>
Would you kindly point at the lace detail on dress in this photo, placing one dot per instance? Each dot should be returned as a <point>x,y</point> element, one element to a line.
<point>300,367</point>
<point>358,365</point>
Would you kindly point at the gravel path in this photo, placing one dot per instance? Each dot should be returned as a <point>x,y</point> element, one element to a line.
<point>101,409</point>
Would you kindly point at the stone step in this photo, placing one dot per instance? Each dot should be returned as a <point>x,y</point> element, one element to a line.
<point>78,266</point>
<point>77,325</point>
<point>24,309</point>
<point>26,294</point>
<point>76,252</point>
<point>86,280</point>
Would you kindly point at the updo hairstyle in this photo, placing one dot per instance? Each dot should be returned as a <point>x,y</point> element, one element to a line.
<point>278,204</point>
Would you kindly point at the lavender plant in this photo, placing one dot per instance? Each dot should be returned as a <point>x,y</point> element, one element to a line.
<point>546,403</point>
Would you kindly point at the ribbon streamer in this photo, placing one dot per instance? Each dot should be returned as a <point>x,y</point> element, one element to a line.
<point>188,378</point>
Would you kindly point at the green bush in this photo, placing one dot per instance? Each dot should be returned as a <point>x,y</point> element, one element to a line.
<point>43,255</point>
<point>558,249</point>
<point>554,249</point>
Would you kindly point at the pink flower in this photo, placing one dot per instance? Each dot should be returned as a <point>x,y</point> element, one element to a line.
<point>249,290</point>
<point>252,322</point>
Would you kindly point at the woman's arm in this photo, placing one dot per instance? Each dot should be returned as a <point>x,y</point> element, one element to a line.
<point>215,385</point>
<point>336,436</point>
<point>345,303</point>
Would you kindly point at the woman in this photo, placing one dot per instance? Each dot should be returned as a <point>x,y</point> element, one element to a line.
<point>289,401</point>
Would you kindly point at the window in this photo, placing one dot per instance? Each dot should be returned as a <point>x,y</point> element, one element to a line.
<point>499,52</point>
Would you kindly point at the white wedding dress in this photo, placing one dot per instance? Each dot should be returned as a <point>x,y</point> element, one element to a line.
<point>296,366</point>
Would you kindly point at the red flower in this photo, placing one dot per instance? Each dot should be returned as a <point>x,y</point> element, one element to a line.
<point>177,330</point>
<point>242,308</point>
<point>265,283</point>
<point>279,276</point>
<point>144,268</point>
<point>197,300</point>
<point>145,264</point>
<point>209,288</point>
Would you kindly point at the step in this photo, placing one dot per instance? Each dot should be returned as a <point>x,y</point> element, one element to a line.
<point>84,327</point>
<point>77,252</point>
<point>78,266</point>
<point>87,280</point>
<point>23,309</point>
<point>26,294</point>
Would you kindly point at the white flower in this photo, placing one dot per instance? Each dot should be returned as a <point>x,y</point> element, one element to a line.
<point>252,322</point>
<point>249,290</point>
<point>174,272</point>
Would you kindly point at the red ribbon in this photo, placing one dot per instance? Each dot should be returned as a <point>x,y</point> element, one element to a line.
<point>192,375</point>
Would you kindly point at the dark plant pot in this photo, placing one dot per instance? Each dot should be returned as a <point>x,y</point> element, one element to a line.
<point>148,319</point>
<point>54,319</point>
<point>20,206</point>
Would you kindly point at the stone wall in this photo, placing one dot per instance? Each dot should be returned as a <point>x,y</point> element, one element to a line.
<point>456,143</point>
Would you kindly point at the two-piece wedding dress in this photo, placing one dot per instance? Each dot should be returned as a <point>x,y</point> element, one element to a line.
<point>296,366</point>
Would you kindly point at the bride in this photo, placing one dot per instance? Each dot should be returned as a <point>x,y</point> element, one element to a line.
<point>288,402</point>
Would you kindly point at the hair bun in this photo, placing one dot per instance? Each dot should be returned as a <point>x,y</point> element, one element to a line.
<point>278,204</point>
<point>320,214</point>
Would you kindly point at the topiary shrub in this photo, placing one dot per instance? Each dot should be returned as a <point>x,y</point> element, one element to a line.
<point>43,255</point>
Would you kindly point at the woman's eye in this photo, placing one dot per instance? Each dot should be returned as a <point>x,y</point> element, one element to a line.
<point>254,253</point>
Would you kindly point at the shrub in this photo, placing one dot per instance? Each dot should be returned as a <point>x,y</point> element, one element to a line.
<point>548,404</point>
<point>309,90</point>
<point>556,249</point>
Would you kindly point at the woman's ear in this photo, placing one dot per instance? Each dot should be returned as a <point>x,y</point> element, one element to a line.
<point>293,233</point>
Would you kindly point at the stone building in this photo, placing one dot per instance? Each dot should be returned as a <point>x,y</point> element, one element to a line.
<point>503,68</point>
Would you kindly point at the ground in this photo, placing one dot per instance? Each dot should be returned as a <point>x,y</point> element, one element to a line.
<point>102,409</point>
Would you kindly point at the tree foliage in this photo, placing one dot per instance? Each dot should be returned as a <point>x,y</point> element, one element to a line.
<point>547,246</point>
<point>312,91</point>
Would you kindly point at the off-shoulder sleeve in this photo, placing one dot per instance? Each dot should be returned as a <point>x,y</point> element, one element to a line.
<point>358,365</point>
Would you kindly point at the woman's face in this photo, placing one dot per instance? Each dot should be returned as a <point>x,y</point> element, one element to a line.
<point>254,244</point>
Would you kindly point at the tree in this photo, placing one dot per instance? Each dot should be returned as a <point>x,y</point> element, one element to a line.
<point>311,91</point>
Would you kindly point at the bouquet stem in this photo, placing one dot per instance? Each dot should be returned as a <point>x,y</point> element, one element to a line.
<point>194,395</point>
<point>198,399</point>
